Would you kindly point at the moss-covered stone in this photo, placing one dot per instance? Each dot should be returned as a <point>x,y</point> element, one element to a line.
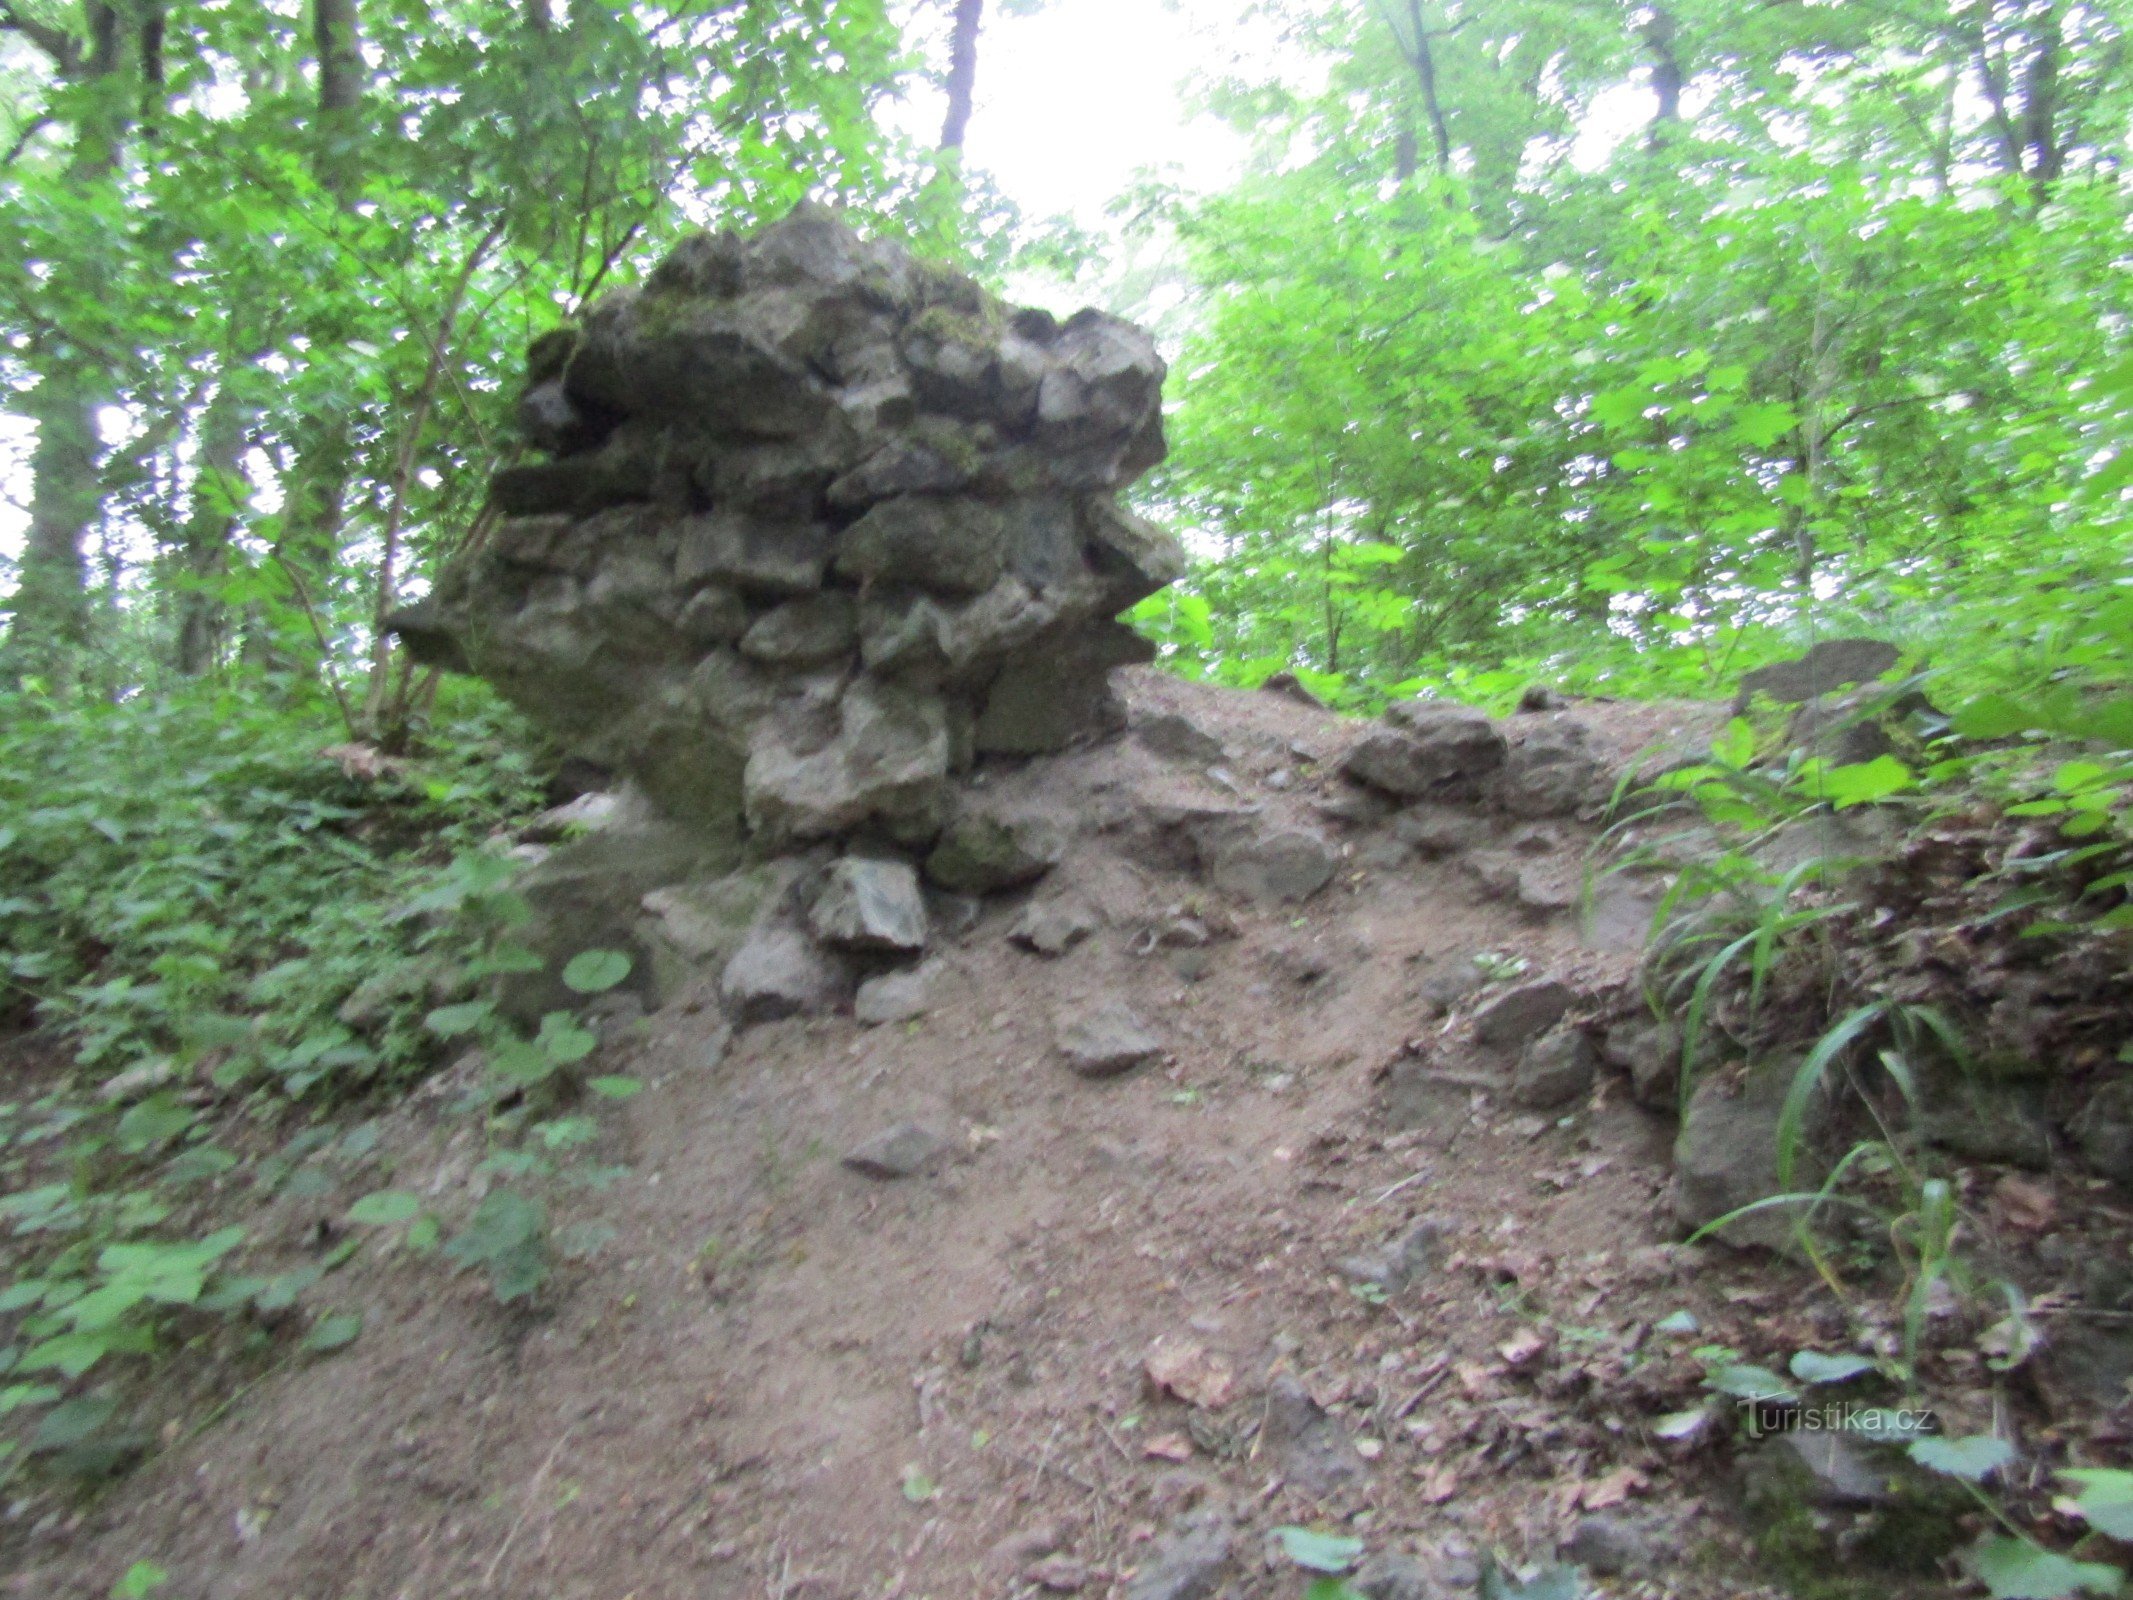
<point>1822,1543</point>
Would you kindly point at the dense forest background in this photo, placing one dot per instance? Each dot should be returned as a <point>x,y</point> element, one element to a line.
<point>1610,347</point>
<point>1833,336</point>
<point>1619,347</point>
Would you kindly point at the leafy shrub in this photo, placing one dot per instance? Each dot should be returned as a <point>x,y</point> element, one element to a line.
<point>191,884</point>
<point>209,905</point>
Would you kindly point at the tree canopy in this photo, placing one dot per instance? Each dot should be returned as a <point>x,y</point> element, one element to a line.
<point>1833,332</point>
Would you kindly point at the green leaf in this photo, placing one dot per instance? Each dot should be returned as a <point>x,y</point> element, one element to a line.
<point>284,1289</point>
<point>71,1422</point>
<point>17,1395</point>
<point>333,1331</point>
<point>917,1487</point>
<point>1973,1459</point>
<point>1735,745</point>
<point>1994,716</point>
<point>1811,1366</point>
<point>520,1061</point>
<point>152,1121</point>
<point>508,1238</point>
<point>70,1354</point>
<point>563,1040</point>
<point>1746,1382</point>
<point>384,1207</point>
<point>615,1087</point>
<point>2106,1499</point>
<point>452,1022</point>
<point>1553,1583</point>
<point>1319,1552</point>
<point>140,1582</point>
<point>1682,1424</point>
<point>1620,408</point>
<point>595,971</point>
<point>2016,1569</point>
<point>1865,782</point>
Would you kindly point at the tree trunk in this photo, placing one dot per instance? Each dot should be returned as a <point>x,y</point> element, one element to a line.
<point>51,623</point>
<point>1406,157</point>
<point>1424,61</point>
<point>2040,111</point>
<point>1668,79</point>
<point>52,616</point>
<point>339,49</point>
<point>204,551</point>
<point>315,491</point>
<point>962,72</point>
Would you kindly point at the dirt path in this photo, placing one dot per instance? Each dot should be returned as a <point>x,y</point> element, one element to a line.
<point>784,1378</point>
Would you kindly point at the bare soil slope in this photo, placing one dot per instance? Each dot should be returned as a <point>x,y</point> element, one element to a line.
<point>783,1377</point>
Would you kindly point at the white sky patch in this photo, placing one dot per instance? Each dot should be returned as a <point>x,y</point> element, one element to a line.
<point>17,438</point>
<point>1077,100</point>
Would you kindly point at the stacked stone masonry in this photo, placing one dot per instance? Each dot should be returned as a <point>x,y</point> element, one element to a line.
<point>818,524</point>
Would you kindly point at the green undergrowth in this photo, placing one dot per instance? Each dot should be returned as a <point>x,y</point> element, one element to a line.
<point>2036,652</point>
<point>1848,927</point>
<point>232,939</point>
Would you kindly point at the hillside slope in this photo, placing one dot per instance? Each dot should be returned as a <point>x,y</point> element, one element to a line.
<point>1391,1297</point>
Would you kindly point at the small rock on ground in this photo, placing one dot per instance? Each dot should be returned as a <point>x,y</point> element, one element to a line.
<point>899,1152</point>
<point>1552,772</point>
<point>1725,1157</point>
<point>869,904</point>
<point>778,972</point>
<point>1393,1266</point>
<point>1556,1068</point>
<point>1189,1562</point>
<point>1053,927</point>
<point>1651,1051</point>
<point>1310,1446</point>
<point>1608,1546</point>
<point>981,853</point>
<point>1279,867</point>
<point>1058,1574</point>
<point>1105,1041</point>
<point>1180,739</point>
<point>1522,1013</point>
<point>1392,1576</point>
<point>896,996</point>
<point>1538,889</point>
<point>1438,830</point>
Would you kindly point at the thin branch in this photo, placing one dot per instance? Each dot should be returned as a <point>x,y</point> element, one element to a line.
<point>57,43</point>
<point>30,130</point>
<point>318,634</point>
<point>404,469</point>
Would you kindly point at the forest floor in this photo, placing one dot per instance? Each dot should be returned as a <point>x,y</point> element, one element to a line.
<point>1110,1334</point>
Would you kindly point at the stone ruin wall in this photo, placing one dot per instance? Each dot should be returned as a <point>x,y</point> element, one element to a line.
<point>818,525</point>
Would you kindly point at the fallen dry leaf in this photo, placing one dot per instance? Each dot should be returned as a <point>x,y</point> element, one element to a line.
<point>362,761</point>
<point>1475,1379</point>
<point>1439,1483</point>
<point>1059,1574</point>
<point>1187,1370</point>
<point>1168,1447</point>
<point>1326,1387</point>
<point>1612,1488</point>
<point>2024,1203</point>
<point>1523,1349</point>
